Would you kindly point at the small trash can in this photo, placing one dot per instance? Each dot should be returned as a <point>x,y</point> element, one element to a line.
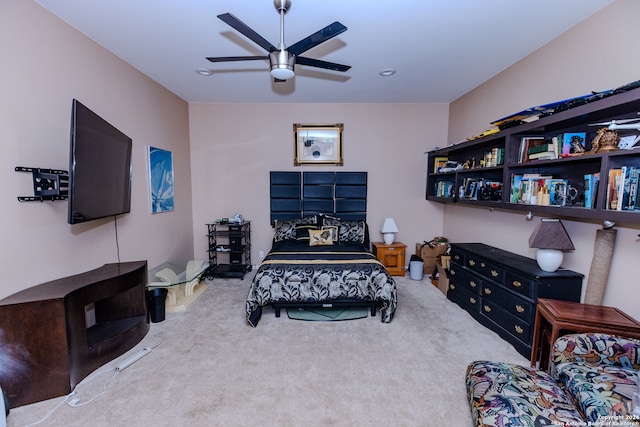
<point>156,303</point>
<point>416,268</point>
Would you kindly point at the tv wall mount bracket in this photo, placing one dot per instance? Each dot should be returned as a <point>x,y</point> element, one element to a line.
<point>48,184</point>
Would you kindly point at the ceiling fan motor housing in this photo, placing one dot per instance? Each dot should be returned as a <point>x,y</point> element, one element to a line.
<point>282,62</point>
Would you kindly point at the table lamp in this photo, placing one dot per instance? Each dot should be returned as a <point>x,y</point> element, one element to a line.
<point>389,228</point>
<point>551,238</point>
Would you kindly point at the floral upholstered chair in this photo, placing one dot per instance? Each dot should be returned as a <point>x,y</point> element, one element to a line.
<point>599,373</point>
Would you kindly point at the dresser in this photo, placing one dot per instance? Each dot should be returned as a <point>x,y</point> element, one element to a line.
<point>500,289</point>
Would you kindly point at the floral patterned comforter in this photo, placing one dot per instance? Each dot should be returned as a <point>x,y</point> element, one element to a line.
<point>292,272</point>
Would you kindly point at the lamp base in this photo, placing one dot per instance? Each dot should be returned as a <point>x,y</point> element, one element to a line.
<point>388,238</point>
<point>549,259</point>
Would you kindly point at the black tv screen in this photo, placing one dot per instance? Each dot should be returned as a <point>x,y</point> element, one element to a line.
<point>99,167</point>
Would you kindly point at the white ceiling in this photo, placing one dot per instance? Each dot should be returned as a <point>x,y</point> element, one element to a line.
<point>441,49</point>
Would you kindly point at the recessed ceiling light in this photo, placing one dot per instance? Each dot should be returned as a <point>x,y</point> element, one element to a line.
<point>204,71</point>
<point>387,72</point>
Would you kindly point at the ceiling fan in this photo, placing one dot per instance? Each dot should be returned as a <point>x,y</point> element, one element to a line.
<point>281,58</point>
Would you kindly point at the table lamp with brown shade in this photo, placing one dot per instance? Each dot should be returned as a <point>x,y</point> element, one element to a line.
<point>551,238</point>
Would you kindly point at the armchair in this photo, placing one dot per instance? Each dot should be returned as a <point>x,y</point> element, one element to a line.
<point>598,372</point>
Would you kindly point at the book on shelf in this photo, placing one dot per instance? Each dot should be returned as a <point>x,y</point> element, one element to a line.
<point>590,189</point>
<point>627,188</point>
<point>444,189</point>
<point>612,188</point>
<point>634,202</point>
<point>623,188</point>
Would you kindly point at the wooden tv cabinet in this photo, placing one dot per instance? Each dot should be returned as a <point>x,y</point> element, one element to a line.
<point>45,337</point>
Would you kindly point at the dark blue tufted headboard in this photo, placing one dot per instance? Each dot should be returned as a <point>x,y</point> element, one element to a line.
<point>299,194</point>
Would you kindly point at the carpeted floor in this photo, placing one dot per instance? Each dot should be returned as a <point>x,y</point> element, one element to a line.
<point>209,367</point>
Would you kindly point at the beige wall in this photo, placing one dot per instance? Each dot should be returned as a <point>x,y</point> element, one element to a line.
<point>596,55</point>
<point>45,64</point>
<point>233,148</point>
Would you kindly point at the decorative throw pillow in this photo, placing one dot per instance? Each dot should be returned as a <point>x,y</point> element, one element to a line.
<point>320,237</point>
<point>286,229</point>
<point>334,232</point>
<point>303,230</point>
<point>351,231</point>
<point>330,220</point>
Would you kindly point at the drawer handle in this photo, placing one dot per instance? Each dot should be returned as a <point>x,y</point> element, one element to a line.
<point>456,257</point>
<point>494,273</point>
<point>516,284</point>
<point>472,262</point>
<point>452,272</point>
<point>452,287</point>
<point>483,265</point>
<point>487,291</point>
<point>487,309</point>
<point>472,300</point>
<point>518,329</point>
<point>473,284</point>
<point>519,308</point>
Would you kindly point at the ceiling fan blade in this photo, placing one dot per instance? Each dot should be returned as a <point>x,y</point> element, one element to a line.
<point>321,64</point>
<point>244,29</point>
<point>315,39</point>
<point>235,58</point>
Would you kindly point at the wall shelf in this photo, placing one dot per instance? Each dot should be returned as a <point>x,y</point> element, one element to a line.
<point>451,187</point>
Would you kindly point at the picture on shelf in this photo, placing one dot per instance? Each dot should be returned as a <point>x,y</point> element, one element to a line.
<point>573,143</point>
<point>438,163</point>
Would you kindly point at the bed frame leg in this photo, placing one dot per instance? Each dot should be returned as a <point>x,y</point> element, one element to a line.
<point>277,311</point>
<point>373,310</point>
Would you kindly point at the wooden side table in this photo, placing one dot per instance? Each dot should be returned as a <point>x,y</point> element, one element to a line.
<point>555,318</point>
<point>391,256</point>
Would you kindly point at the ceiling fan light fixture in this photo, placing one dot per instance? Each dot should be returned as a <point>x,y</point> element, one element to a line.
<point>282,64</point>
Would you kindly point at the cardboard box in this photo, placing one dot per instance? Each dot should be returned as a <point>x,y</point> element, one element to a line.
<point>429,265</point>
<point>429,252</point>
<point>443,279</point>
<point>430,256</point>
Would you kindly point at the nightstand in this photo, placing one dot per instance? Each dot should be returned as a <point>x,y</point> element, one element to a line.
<point>392,256</point>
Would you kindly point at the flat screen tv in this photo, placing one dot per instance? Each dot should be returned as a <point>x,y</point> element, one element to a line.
<point>99,167</point>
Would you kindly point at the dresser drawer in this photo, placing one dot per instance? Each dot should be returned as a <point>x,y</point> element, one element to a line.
<point>521,284</point>
<point>513,325</point>
<point>458,257</point>
<point>462,278</point>
<point>512,304</point>
<point>485,268</point>
<point>465,299</point>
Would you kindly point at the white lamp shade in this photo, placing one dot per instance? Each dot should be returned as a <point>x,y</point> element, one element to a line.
<point>389,228</point>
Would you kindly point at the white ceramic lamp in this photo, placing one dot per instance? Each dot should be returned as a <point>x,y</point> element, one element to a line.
<point>389,229</point>
<point>551,238</point>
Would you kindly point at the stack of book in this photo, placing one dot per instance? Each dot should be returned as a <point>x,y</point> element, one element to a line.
<point>537,148</point>
<point>622,189</point>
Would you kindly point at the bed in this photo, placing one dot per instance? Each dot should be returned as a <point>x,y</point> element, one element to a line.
<point>321,261</point>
